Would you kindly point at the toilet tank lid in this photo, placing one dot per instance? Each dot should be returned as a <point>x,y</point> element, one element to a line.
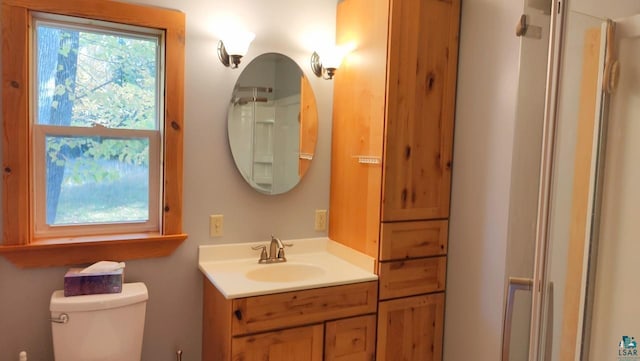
<point>131,293</point>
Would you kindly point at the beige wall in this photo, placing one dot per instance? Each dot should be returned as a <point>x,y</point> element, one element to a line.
<point>212,184</point>
<point>484,132</point>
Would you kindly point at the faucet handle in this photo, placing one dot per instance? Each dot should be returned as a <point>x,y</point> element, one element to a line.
<point>281,250</point>
<point>263,254</point>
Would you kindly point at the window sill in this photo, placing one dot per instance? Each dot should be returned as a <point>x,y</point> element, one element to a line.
<point>64,252</point>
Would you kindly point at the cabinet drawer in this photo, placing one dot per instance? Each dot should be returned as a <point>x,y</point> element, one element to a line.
<point>413,239</point>
<point>350,339</point>
<point>296,344</point>
<point>412,277</point>
<point>270,312</point>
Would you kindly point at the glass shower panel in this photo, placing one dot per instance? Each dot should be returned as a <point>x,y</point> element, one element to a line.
<point>562,291</point>
<point>525,175</point>
<point>614,317</point>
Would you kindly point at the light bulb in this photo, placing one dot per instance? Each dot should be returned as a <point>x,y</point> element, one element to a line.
<point>332,57</point>
<point>237,43</point>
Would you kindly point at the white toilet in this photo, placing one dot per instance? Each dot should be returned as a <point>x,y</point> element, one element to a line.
<point>106,327</point>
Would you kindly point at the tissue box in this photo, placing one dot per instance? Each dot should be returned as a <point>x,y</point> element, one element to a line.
<point>76,283</point>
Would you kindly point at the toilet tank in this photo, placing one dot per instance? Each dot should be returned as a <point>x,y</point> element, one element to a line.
<point>105,327</point>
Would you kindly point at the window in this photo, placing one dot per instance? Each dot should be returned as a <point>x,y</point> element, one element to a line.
<point>96,128</point>
<point>92,112</point>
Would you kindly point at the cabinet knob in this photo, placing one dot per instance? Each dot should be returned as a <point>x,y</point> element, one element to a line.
<point>238,314</point>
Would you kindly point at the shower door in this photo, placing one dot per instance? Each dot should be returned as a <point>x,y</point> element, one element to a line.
<point>590,307</point>
<point>534,32</point>
<point>614,315</point>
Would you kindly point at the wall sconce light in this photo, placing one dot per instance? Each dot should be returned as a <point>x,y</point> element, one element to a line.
<point>326,67</point>
<point>233,47</point>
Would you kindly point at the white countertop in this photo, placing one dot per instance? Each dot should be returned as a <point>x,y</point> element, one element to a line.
<point>227,265</point>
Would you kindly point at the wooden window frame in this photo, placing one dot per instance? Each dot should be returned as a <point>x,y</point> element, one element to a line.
<point>19,244</point>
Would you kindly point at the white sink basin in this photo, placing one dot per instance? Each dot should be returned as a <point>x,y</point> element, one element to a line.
<point>311,263</point>
<point>285,272</point>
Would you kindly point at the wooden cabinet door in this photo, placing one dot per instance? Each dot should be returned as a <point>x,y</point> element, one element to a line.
<point>358,125</point>
<point>351,339</point>
<point>294,344</point>
<point>421,83</point>
<point>410,329</point>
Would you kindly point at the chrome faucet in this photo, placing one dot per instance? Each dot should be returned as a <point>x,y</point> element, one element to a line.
<point>276,246</point>
<point>276,251</point>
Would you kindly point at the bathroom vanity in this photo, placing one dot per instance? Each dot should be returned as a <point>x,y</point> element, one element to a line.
<point>298,325</point>
<point>318,305</point>
<point>391,160</point>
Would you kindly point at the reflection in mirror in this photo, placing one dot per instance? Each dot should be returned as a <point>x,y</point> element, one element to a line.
<point>272,124</point>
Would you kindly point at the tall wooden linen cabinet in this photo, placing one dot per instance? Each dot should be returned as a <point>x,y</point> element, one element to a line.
<point>394,100</point>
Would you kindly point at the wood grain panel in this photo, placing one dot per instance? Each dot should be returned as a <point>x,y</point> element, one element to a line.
<point>351,339</point>
<point>174,122</point>
<point>216,324</point>
<point>16,214</point>
<point>107,10</point>
<point>412,277</point>
<point>303,307</point>
<point>92,249</point>
<point>413,239</point>
<point>589,93</point>
<point>297,344</point>
<point>410,329</point>
<point>358,125</point>
<point>421,82</point>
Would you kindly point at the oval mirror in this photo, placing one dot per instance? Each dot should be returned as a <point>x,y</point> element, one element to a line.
<point>272,123</point>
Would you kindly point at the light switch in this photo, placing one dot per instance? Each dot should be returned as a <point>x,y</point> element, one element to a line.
<point>215,225</point>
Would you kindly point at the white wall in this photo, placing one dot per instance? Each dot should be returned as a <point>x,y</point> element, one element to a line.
<point>485,118</point>
<point>212,184</point>
<point>612,9</point>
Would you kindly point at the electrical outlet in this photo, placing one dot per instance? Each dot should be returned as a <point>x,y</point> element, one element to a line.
<point>321,220</point>
<point>215,225</point>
